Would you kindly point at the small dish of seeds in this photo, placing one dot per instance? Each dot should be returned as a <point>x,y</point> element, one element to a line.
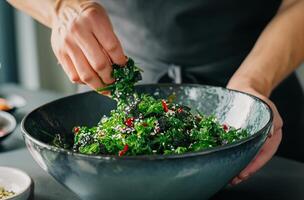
<point>14,184</point>
<point>5,194</point>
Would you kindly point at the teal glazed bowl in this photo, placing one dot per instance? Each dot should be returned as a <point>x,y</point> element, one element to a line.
<point>195,175</point>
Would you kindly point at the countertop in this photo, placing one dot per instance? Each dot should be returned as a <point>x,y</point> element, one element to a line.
<point>280,179</point>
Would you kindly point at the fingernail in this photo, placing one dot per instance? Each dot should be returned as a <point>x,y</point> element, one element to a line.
<point>237,181</point>
<point>113,81</point>
<point>245,176</point>
<point>127,59</point>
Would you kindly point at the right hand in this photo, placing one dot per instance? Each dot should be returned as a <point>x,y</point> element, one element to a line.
<point>84,42</point>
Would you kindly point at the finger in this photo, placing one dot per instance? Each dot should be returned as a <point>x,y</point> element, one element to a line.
<point>70,70</point>
<point>236,181</point>
<point>66,63</point>
<point>83,68</point>
<point>94,54</point>
<point>277,119</point>
<point>265,154</point>
<point>108,40</point>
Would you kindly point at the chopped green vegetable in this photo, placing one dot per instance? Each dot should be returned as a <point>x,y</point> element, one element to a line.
<point>142,124</point>
<point>125,78</point>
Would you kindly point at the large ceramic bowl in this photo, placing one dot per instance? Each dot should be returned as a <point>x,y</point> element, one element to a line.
<point>196,175</point>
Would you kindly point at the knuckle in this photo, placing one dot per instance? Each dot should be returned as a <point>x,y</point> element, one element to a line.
<point>107,79</point>
<point>99,66</point>
<point>61,53</point>
<point>91,13</point>
<point>74,27</point>
<point>65,43</point>
<point>75,78</point>
<point>86,78</point>
<point>111,45</point>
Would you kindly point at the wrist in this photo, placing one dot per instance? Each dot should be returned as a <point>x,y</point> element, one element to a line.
<point>66,9</point>
<point>250,84</point>
<point>56,9</point>
<point>60,6</point>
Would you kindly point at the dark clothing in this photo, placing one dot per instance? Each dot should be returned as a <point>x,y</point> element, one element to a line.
<point>208,40</point>
<point>289,99</point>
<point>195,33</point>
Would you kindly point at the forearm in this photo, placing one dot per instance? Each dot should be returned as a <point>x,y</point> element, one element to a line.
<point>41,10</point>
<point>277,52</point>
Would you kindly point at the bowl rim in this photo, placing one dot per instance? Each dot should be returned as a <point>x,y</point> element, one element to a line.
<point>12,123</point>
<point>24,175</point>
<point>159,156</point>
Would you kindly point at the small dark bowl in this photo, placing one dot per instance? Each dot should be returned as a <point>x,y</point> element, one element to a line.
<point>195,175</point>
<point>7,124</point>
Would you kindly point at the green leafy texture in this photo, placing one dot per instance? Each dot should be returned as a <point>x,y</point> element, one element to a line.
<point>142,124</point>
<point>154,131</point>
<point>125,78</point>
<point>148,106</point>
<point>93,148</point>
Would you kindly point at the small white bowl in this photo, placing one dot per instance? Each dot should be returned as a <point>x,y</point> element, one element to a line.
<point>17,181</point>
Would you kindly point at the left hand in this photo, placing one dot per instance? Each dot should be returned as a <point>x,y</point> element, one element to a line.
<point>272,143</point>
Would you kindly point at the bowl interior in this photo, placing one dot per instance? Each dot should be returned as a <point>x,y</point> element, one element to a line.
<point>14,180</point>
<point>234,108</point>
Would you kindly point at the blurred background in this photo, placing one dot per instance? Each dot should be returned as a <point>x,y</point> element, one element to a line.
<point>26,57</point>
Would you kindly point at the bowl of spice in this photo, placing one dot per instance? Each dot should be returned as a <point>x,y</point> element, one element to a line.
<point>14,184</point>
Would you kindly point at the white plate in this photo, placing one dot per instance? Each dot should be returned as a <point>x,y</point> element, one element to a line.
<point>17,181</point>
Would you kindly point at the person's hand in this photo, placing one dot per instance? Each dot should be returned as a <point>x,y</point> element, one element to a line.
<point>273,141</point>
<point>84,42</point>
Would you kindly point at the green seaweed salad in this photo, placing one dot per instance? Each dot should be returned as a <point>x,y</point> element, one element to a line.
<point>142,124</point>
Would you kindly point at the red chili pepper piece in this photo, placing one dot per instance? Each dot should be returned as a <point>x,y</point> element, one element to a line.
<point>179,110</point>
<point>129,121</point>
<point>225,127</point>
<point>165,106</point>
<point>76,129</point>
<point>124,151</point>
<point>145,124</point>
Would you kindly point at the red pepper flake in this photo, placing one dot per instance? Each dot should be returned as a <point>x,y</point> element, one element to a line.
<point>179,110</point>
<point>225,127</point>
<point>165,106</point>
<point>76,129</point>
<point>145,124</point>
<point>157,129</point>
<point>129,121</point>
<point>124,151</point>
